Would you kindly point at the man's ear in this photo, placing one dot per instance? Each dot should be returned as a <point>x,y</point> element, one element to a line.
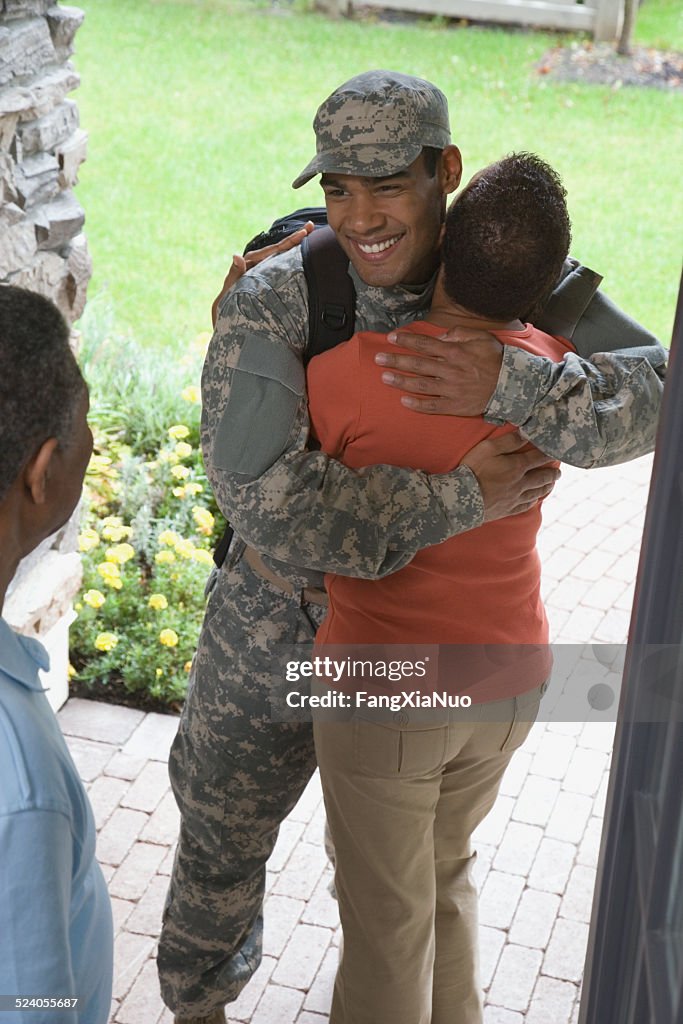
<point>451,169</point>
<point>38,471</point>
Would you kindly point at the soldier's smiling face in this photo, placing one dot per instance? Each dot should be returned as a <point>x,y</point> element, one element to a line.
<point>389,227</point>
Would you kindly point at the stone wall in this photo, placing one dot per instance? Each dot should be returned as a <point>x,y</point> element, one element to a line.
<point>42,247</point>
<point>41,148</point>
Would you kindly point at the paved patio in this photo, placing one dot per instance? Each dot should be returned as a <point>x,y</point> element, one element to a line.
<point>537,849</point>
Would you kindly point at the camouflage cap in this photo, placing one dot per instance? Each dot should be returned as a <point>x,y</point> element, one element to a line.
<point>376,124</point>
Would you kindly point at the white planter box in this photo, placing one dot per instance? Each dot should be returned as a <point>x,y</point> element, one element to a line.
<point>56,642</point>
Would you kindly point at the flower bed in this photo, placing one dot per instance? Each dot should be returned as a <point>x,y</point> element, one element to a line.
<point>148,531</point>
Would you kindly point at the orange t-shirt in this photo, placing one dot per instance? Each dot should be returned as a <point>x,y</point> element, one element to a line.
<point>479,587</point>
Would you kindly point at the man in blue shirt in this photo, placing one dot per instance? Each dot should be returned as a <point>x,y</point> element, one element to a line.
<point>56,934</point>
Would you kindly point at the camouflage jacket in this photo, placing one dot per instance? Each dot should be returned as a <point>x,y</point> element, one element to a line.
<point>310,514</point>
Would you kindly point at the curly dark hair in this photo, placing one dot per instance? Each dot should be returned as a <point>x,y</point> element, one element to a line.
<point>506,237</point>
<point>40,382</point>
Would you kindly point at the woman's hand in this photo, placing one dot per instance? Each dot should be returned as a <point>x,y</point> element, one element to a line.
<point>240,264</point>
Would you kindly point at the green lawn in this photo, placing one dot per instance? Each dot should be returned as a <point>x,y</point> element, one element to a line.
<point>199,116</point>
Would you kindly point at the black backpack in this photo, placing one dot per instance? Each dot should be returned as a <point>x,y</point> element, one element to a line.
<point>331,294</point>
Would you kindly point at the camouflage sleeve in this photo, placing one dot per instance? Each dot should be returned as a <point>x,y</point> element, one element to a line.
<point>291,504</point>
<point>598,407</point>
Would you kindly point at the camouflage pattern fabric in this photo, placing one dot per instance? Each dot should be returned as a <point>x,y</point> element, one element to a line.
<point>236,774</point>
<point>584,429</point>
<point>599,407</point>
<point>377,124</point>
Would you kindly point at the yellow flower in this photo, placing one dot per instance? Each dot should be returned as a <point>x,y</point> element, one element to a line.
<point>100,464</point>
<point>95,598</point>
<point>109,571</point>
<point>178,432</point>
<point>159,672</point>
<point>190,394</point>
<point>88,539</point>
<point>116,532</point>
<point>197,347</point>
<point>168,637</point>
<point>106,641</point>
<point>180,472</point>
<point>121,553</point>
<point>187,666</point>
<point>204,520</point>
<point>183,449</point>
<point>185,548</point>
<point>202,555</point>
<point>112,521</point>
<point>169,537</point>
<point>180,492</point>
<point>71,671</point>
<point>164,556</point>
<point>158,602</point>
<point>193,488</point>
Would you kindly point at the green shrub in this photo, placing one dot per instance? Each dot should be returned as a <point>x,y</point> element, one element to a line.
<point>149,522</point>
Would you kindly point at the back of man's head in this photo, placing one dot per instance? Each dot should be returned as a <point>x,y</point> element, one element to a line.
<point>506,237</point>
<point>40,382</point>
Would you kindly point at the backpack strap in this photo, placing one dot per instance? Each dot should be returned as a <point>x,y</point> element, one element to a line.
<point>220,552</point>
<point>331,294</point>
<point>569,300</point>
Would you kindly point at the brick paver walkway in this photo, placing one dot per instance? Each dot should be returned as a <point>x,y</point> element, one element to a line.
<point>537,849</point>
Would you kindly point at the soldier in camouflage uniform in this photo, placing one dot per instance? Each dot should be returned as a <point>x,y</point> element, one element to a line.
<point>236,773</point>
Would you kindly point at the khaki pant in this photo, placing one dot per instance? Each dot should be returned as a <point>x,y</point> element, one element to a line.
<point>403,798</point>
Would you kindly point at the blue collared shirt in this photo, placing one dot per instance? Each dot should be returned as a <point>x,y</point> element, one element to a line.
<point>56,934</point>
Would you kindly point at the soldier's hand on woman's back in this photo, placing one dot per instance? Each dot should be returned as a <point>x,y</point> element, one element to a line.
<point>455,375</point>
<point>512,476</point>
